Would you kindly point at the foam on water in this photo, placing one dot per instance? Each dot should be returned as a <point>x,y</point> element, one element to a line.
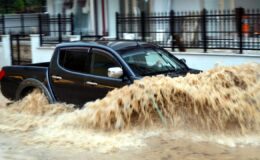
<point>221,105</point>
<point>222,99</point>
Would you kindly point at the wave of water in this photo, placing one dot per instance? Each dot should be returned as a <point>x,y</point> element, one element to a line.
<point>221,105</point>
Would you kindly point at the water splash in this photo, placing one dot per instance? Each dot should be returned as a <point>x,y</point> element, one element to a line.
<point>222,101</point>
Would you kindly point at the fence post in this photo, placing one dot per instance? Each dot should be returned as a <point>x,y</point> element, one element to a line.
<point>59,28</point>
<point>18,49</point>
<point>172,28</point>
<point>143,25</point>
<point>239,15</point>
<point>40,28</point>
<point>117,26</point>
<point>3,24</point>
<point>22,24</point>
<point>72,23</point>
<point>204,30</point>
<point>12,49</point>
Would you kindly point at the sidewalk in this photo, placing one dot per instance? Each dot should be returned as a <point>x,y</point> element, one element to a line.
<point>196,58</point>
<point>220,51</point>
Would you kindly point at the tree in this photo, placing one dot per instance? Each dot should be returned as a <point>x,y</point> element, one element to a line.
<point>19,5</point>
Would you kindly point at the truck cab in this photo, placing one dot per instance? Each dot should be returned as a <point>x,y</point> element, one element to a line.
<point>80,73</point>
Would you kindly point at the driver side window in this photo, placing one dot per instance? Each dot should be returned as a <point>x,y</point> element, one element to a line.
<point>100,62</point>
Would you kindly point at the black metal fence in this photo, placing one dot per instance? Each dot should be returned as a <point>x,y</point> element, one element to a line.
<point>19,24</point>
<point>20,49</point>
<point>52,29</point>
<point>2,23</point>
<point>58,28</point>
<point>238,29</point>
<point>55,29</point>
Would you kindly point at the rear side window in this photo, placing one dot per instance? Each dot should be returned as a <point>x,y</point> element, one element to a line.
<point>100,62</point>
<point>75,59</point>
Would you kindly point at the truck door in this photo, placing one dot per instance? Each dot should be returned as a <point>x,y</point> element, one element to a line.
<point>98,81</point>
<point>68,76</point>
<point>81,75</point>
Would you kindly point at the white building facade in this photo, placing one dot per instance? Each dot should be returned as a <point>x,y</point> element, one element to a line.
<point>98,16</point>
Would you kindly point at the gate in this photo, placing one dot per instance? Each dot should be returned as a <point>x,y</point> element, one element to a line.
<point>20,49</point>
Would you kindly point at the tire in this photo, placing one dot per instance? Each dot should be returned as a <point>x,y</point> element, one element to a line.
<point>28,85</point>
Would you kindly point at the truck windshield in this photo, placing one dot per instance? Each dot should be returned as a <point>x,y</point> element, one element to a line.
<point>150,61</point>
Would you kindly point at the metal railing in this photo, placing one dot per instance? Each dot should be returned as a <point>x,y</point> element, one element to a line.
<point>19,24</point>
<point>52,29</point>
<point>20,49</point>
<point>238,29</point>
<point>55,29</point>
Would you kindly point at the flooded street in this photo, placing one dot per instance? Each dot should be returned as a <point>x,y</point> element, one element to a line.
<point>14,147</point>
<point>213,115</point>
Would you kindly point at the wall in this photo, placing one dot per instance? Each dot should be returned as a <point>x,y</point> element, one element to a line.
<point>186,5</point>
<point>248,4</point>
<point>54,7</point>
<point>191,5</point>
<point>209,60</point>
<point>44,54</point>
<point>211,4</point>
<point>158,6</point>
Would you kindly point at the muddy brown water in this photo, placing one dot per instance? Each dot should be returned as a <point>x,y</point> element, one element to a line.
<point>213,115</point>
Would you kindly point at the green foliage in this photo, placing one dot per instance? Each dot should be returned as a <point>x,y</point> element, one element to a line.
<point>19,6</point>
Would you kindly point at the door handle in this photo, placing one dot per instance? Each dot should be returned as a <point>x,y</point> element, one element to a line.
<point>91,83</point>
<point>56,77</point>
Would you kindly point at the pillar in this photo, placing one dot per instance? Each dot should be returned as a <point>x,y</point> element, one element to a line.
<point>35,43</point>
<point>5,53</point>
<point>113,7</point>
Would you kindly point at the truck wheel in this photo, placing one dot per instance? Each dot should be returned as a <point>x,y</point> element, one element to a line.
<point>29,85</point>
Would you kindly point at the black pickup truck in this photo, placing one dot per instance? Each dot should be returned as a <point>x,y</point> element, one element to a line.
<point>81,72</point>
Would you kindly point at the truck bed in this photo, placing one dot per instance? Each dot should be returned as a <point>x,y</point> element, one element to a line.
<point>16,74</point>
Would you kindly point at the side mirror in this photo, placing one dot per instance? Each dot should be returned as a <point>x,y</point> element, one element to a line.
<point>183,60</point>
<point>114,72</point>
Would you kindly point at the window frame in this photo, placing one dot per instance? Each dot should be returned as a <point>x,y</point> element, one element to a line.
<point>107,54</point>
